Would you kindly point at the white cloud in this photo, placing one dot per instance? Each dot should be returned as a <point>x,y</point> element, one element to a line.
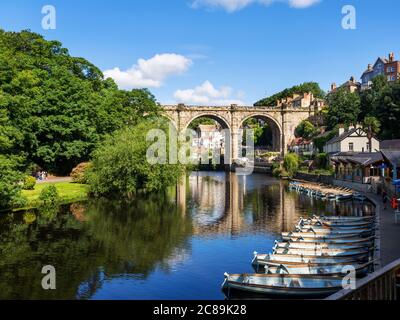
<point>235,5</point>
<point>207,94</point>
<point>302,3</point>
<point>150,73</point>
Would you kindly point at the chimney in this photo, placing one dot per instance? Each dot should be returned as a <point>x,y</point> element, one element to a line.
<point>352,79</point>
<point>333,86</point>
<point>391,57</point>
<point>369,67</point>
<point>341,130</point>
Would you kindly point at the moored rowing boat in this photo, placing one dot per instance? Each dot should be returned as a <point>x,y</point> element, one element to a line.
<point>282,285</point>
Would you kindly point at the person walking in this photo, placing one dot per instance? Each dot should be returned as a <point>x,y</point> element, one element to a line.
<point>384,200</point>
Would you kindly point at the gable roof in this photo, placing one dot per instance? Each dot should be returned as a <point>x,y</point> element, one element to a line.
<point>393,156</point>
<point>345,135</point>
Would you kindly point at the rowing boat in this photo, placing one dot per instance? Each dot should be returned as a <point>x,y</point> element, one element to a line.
<point>321,245</point>
<point>263,258</point>
<point>334,226</point>
<point>322,237</point>
<point>283,285</point>
<point>346,240</point>
<point>331,232</point>
<point>327,270</point>
<point>343,218</point>
<point>321,252</point>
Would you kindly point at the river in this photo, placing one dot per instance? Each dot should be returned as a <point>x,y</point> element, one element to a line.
<point>174,245</point>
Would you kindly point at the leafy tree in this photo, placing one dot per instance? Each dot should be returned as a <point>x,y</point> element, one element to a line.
<point>305,130</point>
<point>372,126</point>
<point>387,106</point>
<point>59,105</point>
<point>344,107</point>
<point>120,167</point>
<point>262,133</point>
<point>201,121</point>
<point>299,89</point>
<point>10,184</point>
<point>291,163</point>
<point>321,140</point>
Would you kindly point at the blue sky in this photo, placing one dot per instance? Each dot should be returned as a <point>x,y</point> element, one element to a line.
<point>199,52</point>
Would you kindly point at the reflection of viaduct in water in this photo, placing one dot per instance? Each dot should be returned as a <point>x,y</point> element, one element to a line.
<point>221,202</point>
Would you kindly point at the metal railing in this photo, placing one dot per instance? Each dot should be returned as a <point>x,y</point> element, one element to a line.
<point>380,285</point>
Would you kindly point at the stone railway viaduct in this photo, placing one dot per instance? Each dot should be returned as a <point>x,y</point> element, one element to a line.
<point>282,121</point>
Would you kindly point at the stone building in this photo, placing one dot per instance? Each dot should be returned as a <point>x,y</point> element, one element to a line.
<point>388,67</point>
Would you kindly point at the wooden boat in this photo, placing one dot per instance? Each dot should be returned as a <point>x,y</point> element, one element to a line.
<point>323,237</point>
<point>321,245</point>
<point>283,285</point>
<point>344,240</point>
<point>322,252</point>
<point>344,196</point>
<point>334,226</point>
<point>264,258</point>
<point>330,231</point>
<point>343,218</point>
<point>327,270</point>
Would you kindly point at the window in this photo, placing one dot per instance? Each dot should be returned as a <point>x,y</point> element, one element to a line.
<point>351,146</point>
<point>368,147</point>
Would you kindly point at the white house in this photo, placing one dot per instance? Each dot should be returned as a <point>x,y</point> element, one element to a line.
<point>354,139</point>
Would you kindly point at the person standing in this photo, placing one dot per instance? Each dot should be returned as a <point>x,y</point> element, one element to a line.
<point>384,200</point>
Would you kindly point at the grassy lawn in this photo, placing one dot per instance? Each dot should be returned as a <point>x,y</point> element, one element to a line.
<point>68,192</point>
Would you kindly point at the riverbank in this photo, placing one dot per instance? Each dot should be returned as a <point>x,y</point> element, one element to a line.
<point>67,190</point>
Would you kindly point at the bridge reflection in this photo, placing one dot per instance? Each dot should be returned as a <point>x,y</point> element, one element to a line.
<point>224,203</point>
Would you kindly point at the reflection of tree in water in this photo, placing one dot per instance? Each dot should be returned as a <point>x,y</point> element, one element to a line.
<point>116,239</point>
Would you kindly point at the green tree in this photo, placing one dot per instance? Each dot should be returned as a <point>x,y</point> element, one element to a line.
<point>344,107</point>
<point>299,89</point>
<point>60,106</point>
<point>291,163</point>
<point>10,184</point>
<point>120,167</point>
<point>305,130</point>
<point>372,126</point>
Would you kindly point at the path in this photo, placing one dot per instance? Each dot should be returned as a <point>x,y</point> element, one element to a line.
<point>389,232</point>
<point>55,179</point>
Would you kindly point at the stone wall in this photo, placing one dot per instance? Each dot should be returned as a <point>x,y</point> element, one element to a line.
<point>318,178</point>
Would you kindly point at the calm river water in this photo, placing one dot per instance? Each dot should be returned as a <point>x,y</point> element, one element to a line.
<point>167,246</point>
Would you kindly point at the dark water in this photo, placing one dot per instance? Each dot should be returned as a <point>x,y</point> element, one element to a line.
<point>166,246</point>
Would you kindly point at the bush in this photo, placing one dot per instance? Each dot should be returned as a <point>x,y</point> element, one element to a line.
<point>78,174</point>
<point>291,164</point>
<point>322,161</point>
<point>49,195</point>
<point>29,183</point>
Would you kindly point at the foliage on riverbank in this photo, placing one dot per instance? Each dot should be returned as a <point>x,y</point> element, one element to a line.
<point>67,192</point>
<point>120,165</point>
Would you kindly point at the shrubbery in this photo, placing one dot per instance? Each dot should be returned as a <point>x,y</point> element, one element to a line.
<point>29,183</point>
<point>49,195</point>
<point>78,174</point>
<point>291,164</point>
